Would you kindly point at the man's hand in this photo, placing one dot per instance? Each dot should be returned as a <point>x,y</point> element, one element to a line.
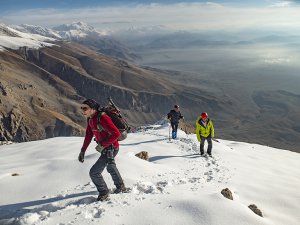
<point>81,157</point>
<point>99,148</point>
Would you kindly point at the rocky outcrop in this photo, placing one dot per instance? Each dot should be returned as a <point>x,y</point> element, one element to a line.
<point>227,193</point>
<point>143,155</point>
<point>256,210</point>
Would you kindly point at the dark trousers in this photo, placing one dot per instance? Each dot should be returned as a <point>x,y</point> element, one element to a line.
<point>174,129</point>
<point>106,160</point>
<point>209,147</point>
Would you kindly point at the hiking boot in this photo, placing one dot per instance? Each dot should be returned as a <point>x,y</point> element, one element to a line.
<point>103,197</point>
<point>201,153</point>
<point>120,189</point>
<point>209,155</point>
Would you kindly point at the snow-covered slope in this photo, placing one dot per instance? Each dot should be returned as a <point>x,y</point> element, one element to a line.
<point>33,29</point>
<point>176,186</point>
<point>13,39</point>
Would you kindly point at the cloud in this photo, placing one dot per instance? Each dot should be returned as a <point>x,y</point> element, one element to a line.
<point>284,3</point>
<point>280,4</point>
<point>180,16</point>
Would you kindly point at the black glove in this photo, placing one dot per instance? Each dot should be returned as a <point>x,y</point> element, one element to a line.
<point>81,157</point>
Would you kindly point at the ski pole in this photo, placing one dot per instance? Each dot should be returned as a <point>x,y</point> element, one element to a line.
<point>169,132</point>
<point>215,140</point>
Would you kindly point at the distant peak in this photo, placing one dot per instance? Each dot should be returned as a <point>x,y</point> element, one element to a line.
<point>75,26</point>
<point>80,23</point>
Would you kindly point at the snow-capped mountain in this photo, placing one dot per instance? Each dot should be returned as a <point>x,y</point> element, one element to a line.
<point>85,34</point>
<point>6,31</point>
<point>33,29</point>
<point>73,31</point>
<point>11,38</point>
<point>77,30</point>
<point>42,183</point>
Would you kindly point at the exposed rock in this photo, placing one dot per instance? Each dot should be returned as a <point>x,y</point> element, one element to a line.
<point>186,127</point>
<point>227,193</point>
<point>15,174</point>
<point>6,142</point>
<point>2,90</point>
<point>143,155</point>
<point>255,210</point>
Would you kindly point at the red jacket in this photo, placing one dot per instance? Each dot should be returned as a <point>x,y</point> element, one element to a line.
<point>105,137</point>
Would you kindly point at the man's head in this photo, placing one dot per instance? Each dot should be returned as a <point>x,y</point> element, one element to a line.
<point>89,107</point>
<point>204,116</point>
<point>176,107</point>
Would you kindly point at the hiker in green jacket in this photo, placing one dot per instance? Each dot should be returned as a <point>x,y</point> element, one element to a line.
<point>205,131</point>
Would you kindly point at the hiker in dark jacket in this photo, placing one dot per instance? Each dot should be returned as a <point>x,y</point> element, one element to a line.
<point>106,134</point>
<point>174,116</point>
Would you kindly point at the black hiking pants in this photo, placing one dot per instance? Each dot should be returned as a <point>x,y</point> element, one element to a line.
<point>106,160</point>
<point>209,147</point>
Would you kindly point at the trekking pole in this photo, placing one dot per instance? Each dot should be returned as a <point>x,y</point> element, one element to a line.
<point>113,104</point>
<point>169,132</point>
<point>215,140</point>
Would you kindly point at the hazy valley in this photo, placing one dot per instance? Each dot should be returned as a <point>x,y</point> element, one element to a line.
<point>261,77</point>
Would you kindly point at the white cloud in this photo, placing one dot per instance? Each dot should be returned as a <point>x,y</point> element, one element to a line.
<point>282,4</point>
<point>187,16</point>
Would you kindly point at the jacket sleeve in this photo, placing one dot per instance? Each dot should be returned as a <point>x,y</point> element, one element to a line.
<point>169,115</point>
<point>113,132</point>
<point>180,115</point>
<point>198,129</point>
<point>212,130</point>
<point>88,138</point>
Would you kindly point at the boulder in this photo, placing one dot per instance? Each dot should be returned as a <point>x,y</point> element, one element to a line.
<point>256,210</point>
<point>227,193</point>
<point>143,155</point>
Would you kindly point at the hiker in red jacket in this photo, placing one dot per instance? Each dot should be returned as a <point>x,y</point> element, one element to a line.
<point>106,134</point>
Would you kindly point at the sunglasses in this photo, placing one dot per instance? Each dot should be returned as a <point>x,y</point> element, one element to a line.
<point>84,108</point>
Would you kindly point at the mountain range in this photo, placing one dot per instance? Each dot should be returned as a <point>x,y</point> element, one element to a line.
<point>41,89</point>
<point>85,34</point>
<point>46,73</point>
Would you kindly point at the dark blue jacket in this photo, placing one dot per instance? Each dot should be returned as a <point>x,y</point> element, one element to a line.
<point>174,116</point>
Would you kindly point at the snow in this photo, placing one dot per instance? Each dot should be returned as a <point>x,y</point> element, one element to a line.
<point>14,39</point>
<point>33,29</point>
<point>176,185</point>
<point>73,31</point>
<point>77,30</point>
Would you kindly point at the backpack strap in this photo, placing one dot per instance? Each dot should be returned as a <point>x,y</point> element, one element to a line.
<point>99,126</point>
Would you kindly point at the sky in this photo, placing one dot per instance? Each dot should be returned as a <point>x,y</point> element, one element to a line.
<point>176,186</point>
<point>172,14</point>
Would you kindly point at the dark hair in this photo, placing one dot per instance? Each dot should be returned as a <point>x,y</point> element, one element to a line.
<point>176,106</point>
<point>91,103</point>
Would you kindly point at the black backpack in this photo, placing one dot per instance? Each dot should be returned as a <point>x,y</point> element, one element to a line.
<point>119,121</point>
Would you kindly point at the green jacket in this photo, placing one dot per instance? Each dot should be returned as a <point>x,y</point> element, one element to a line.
<point>204,131</point>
